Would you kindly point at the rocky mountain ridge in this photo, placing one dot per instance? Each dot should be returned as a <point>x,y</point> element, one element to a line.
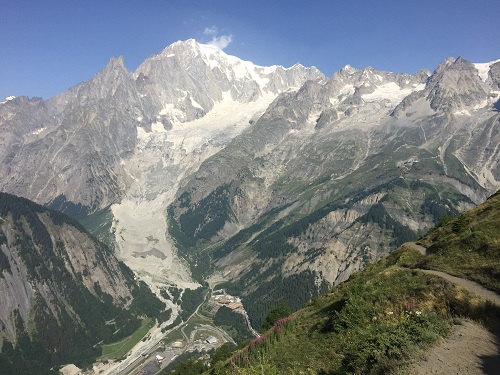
<point>269,175</point>
<point>123,141</point>
<point>338,173</point>
<point>80,137</point>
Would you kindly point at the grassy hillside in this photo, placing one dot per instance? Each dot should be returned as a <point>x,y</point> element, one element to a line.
<point>469,245</point>
<point>385,316</point>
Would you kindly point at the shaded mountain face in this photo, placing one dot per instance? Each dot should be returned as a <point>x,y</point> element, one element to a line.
<point>62,291</point>
<point>280,182</point>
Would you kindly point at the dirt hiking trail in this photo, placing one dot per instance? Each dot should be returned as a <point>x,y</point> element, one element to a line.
<point>471,286</point>
<point>470,349</point>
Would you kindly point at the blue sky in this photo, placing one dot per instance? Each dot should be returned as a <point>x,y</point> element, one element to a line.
<point>48,46</point>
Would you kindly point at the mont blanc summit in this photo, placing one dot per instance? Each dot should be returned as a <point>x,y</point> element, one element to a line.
<point>123,141</point>
<point>74,143</point>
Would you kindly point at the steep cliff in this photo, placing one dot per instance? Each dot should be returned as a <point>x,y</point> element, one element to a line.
<point>62,291</point>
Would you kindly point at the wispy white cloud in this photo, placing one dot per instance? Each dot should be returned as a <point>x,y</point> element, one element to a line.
<point>219,41</point>
<point>213,30</point>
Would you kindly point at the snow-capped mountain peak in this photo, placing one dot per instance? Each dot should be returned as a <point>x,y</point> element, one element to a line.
<point>7,99</point>
<point>348,69</point>
<point>187,78</point>
<point>194,125</point>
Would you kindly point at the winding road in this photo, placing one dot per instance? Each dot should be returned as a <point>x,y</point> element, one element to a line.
<point>471,286</point>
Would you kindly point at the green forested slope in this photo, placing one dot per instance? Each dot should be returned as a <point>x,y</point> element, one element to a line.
<point>386,315</point>
<point>63,292</point>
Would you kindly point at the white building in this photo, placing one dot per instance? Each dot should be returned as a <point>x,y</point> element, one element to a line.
<point>211,340</point>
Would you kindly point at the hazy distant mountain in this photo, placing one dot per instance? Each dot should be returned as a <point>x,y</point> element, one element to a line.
<point>279,181</point>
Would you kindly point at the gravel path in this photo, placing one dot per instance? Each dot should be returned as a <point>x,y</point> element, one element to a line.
<point>471,286</point>
<point>418,247</point>
<point>470,349</point>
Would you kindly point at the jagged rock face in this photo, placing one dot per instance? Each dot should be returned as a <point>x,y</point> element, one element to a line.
<point>71,148</point>
<point>124,141</point>
<point>290,129</point>
<point>271,169</point>
<point>494,75</point>
<point>455,85</point>
<point>340,172</point>
<point>46,262</point>
<point>185,80</point>
<point>77,140</point>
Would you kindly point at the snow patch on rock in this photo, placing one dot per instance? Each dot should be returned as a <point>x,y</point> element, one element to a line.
<point>391,92</point>
<point>484,68</point>
<point>8,98</point>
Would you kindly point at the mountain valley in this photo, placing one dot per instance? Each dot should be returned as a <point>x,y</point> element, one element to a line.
<point>384,319</point>
<point>201,170</point>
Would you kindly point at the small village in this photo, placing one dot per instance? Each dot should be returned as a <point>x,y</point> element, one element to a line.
<point>221,298</point>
